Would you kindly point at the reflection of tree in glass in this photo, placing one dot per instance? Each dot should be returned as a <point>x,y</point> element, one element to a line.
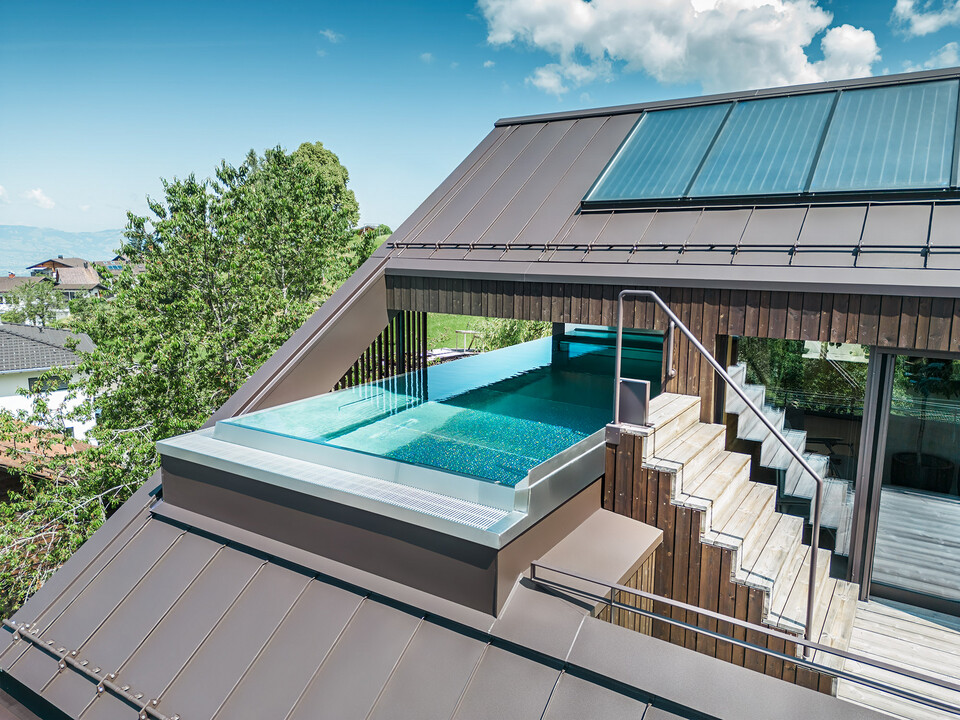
<point>923,377</point>
<point>819,385</point>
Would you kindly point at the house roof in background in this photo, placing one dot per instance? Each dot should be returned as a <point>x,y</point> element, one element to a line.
<point>84,277</point>
<point>25,347</point>
<point>513,209</point>
<point>8,283</point>
<point>60,262</point>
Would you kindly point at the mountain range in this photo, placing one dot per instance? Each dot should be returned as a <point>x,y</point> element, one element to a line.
<point>22,246</point>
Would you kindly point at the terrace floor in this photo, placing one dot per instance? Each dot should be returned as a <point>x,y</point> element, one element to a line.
<point>909,637</point>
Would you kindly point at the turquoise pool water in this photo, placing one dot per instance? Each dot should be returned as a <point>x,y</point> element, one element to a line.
<point>492,416</point>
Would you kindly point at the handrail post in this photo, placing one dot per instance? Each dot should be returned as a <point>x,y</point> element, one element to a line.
<point>818,496</point>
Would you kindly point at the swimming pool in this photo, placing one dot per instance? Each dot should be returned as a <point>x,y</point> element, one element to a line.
<point>493,416</point>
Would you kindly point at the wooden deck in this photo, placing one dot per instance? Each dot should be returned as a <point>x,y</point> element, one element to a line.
<point>921,640</point>
<point>918,546</point>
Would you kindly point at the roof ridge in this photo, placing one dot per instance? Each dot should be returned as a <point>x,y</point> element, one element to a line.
<point>6,328</point>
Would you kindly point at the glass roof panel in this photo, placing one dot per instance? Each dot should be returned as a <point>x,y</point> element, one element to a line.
<point>766,147</point>
<point>890,138</point>
<point>661,154</point>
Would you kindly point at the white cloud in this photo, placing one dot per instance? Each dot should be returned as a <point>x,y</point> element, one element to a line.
<point>924,20</point>
<point>321,52</point>
<point>331,35</point>
<point>84,208</point>
<point>39,198</point>
<point>722,44</point>
<point>488,63</point>
<point>426,57</point>
<point>454,65</point>
<point>3,194</point>
<point>947,56</point>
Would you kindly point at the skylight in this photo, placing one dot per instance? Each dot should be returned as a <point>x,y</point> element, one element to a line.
<point>899,137</point>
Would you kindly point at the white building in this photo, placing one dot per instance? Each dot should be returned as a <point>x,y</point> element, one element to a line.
<point>26,353</point>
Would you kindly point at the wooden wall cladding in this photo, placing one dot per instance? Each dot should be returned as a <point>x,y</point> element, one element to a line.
<point>642,579</point>
<point>694,573</point>
<point>400,348</point>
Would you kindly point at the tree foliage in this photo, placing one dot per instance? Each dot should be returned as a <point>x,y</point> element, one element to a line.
<point>34,303</point>
<point>233,265</point>
<point>496,333</point>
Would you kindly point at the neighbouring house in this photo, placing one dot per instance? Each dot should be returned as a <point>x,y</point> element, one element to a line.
<point>729,494</point>
<point>12,282</point>
<point>26,353</point>
<point>116,265</point>
<point>81,281</point>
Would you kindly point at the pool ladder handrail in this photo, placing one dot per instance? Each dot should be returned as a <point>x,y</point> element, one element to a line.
<point>818,495</point>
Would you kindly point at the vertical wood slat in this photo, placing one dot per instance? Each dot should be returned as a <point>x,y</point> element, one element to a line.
<point>889,330</point>
<point>810,316</point>
<point>400,347</point>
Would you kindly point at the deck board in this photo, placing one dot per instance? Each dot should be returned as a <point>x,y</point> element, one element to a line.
<point>922,640</point>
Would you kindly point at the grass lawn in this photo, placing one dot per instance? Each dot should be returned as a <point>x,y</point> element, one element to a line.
<point>441,329</point>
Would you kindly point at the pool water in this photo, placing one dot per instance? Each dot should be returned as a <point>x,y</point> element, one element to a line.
<point>492,416</point>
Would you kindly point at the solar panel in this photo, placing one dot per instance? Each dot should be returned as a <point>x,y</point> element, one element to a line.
<point>898,137</point>
<point>890,138</point>
<point>766,147</point>
<point>660,155</point>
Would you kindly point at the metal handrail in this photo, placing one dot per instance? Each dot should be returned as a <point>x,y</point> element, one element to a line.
<point>818,498</point>
<point>552,585</point>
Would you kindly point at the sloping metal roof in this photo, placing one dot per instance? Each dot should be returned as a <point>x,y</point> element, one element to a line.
<point>195,619</point>
<point>25,347</point>
<point>513,209</point>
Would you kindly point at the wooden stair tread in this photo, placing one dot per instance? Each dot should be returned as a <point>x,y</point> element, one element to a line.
<point>763,571</point>
<point>667,406</point>
<point>837,629</point>
<point>690,443</point>
<point>792,614</point>
<point>725,474</point>
<point>730,529</point>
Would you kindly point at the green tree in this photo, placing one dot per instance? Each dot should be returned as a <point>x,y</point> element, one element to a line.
<point>496,333</point>
<point>233,265</point>
<point>35,303</point>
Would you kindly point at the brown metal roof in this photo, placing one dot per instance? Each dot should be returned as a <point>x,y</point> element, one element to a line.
<point>210,627</point>
<point>513,211</point>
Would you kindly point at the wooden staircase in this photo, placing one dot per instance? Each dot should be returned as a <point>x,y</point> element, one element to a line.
<point>762,548</point>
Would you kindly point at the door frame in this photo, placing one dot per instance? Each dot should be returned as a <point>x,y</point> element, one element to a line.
<point>869,480</point>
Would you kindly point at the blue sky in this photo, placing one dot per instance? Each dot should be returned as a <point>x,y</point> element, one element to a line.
<point>98,101</point>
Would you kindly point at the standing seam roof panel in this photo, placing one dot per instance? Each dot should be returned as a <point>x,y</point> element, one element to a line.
<point>168,647</point>
<point>439,659</point>
<point>118,638</point>
<point>482,215</point>
<point>97,601</point>
<point>469,194</point>
<point>207,679</point>
<point>515,215</point>
<point>461,174</point>
<point>281,671</point>
<point>355,672</point>
<point>564,199</point>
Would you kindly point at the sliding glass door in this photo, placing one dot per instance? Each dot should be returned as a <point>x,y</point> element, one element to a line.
<point>916,528</point>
